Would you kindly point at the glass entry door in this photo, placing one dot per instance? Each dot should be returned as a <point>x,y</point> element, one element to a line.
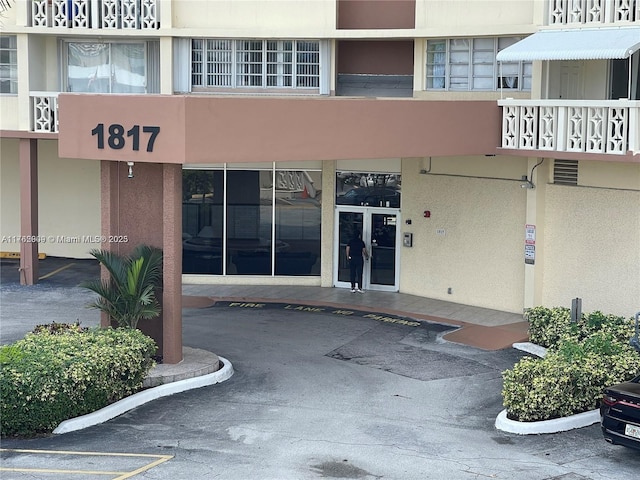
<point>381,235</point>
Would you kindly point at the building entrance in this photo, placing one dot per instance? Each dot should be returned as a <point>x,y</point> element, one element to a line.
<point>378,227</point>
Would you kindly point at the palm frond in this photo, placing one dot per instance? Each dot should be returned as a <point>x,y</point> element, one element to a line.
<point>116,265</point>
<point>129,293</point>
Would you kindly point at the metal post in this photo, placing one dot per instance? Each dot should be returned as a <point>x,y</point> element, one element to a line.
<point>635,340</point>
<point>576,310</point>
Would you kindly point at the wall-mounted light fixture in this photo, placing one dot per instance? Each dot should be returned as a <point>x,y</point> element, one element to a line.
<point>130,175</point>
<point>526,178</point>
<point>527,183</point>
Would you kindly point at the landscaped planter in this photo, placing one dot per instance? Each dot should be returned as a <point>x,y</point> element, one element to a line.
<point>556,425</point>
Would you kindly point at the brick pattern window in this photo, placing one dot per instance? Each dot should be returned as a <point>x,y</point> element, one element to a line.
<point>470,64</point>
<point>8,64</point>
<point>260,64</point>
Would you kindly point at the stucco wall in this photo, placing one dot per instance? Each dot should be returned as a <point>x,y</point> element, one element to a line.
<point>610,175</point>
<point>68,198</point>
<point>470,16</point>
<point>9,119</point>
<point>473,240</point>
<point>592,245</point>
<point>10,189</point>
<point>255,18</point>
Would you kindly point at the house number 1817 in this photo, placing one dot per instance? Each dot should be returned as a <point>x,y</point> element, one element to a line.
<point>116,136</point>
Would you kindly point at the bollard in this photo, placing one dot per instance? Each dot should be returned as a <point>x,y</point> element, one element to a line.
<point>576,310</point>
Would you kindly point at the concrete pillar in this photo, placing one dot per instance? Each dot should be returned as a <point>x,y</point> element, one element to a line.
<point>535,216</point>
<point>28,152</point>
<point>172,268</point>
<point>147,209</point>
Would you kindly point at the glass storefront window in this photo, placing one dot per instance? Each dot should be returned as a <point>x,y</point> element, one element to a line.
<point>240,239</point>
<point>368,189</point>
<point>202,221</point>
<point>298,221</point>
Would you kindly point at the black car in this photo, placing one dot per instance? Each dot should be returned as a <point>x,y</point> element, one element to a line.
<point>372,196</point>
<point>620,414</point>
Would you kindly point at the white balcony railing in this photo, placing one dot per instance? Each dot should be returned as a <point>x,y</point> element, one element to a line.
<point>96,14</point>
<point>44,111</point>
<point>590,126</point>
<point>567,12</point>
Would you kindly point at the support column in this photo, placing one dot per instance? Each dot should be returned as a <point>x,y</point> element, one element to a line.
<point>535,216</point>
<point>172,268</point>
<point>109,205</point>
<point>28,153</point>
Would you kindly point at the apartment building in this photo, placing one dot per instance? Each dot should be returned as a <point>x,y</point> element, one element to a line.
<point>488,151</point>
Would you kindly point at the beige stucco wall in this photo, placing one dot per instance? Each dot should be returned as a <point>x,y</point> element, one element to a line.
<point>9,120</point>
<point>10,189</point>
<point>68,198</point>
<point>470,17</point>
<point>610,175</point>
<point>592,239</point>
<point>256,18</point>
<point>473,241</point>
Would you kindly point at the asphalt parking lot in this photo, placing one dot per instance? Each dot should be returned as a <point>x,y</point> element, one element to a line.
<point>314,396</point>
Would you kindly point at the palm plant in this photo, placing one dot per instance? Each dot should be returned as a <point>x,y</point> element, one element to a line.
<point>129,294</point>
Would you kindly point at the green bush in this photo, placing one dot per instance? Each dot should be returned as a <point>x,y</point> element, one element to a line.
<point>582,359</point>
<point>550,326</point>
<point>57,374</point>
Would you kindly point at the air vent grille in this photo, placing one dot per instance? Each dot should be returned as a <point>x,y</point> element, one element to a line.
<point>565,172</point>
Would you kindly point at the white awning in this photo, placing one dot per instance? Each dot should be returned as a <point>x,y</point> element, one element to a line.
<point>574,44</point>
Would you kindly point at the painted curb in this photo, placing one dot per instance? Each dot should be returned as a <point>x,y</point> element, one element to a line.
<point>145,396</point>
<point>556,425</point>
<point>531,348</point>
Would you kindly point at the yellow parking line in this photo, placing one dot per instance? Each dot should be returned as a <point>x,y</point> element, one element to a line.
<point>146,467</point>
<point>50,274</point>
<point>121,475</point>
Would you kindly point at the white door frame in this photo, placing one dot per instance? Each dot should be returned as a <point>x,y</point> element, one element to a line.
<point>340,253</point>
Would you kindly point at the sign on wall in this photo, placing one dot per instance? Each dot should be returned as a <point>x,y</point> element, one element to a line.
<point>530,244</point>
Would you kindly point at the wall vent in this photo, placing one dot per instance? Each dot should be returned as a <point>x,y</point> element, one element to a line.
<point>565,172</point>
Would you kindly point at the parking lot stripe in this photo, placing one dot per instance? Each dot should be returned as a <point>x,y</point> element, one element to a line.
<point>121,475</point>
<point>145,468</point>
<point>58,270</point>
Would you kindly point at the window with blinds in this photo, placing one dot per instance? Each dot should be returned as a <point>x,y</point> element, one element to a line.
<point>470,64</point>
<point>257,64</point>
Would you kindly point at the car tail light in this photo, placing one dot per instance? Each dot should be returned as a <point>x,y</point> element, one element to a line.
<point>609,400</point>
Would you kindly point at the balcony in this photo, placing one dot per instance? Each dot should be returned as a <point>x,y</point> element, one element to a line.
<point>579,126</point>
<point>593,12</point>
<point>96,14</point>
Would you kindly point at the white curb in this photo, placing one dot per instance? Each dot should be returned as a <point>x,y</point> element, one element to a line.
<point>532,348</point>
<point>556,425</point>
<point>140,398</point>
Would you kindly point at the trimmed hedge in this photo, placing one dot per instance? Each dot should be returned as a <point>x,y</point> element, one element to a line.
<point>583,358</point>
<point>54,374</point>
<point>550,326</point>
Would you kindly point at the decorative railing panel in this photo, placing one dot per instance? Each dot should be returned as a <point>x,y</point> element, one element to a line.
<point>562,12</point>
<point>44,111</point>
<point>609,127</point>
<point>96,14</point>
